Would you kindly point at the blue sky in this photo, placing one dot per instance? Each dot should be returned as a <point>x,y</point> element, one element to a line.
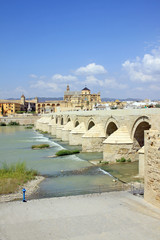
<point>112,46</point>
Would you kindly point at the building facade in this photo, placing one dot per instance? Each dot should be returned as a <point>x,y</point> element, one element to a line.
<point>72,101</point>
<point>9,107</point>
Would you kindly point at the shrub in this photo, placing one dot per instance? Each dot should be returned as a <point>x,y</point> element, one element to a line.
<point>66,152</point>
<point>40,146</point>
<point>106,162</point>
<point>122,159</point>
<point>13,123</point>
<point>28,127</point>
<point>20,112</point>
<point>2,124</point>
<point>42,132</point>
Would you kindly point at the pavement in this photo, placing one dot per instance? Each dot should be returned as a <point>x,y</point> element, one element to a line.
<point>106,216</point>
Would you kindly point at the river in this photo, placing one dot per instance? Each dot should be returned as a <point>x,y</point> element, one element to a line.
<point>67,175</point>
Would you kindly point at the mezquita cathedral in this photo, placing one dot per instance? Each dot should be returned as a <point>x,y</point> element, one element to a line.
<point>73,101</point>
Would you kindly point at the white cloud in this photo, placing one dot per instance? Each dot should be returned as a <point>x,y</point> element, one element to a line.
<point>59,77</point>
<point>154,87</point>
<point>38,84</point>
<point>33,76</point>
<point>112,83</point>
<point>146,69</point>
<point>92,80</point>
<point>91,69</point>
<point>48,86</point>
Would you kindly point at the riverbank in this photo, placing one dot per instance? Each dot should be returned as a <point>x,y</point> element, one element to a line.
<point>125,172</point>
<point>113,216</point>
<point>30,187</point>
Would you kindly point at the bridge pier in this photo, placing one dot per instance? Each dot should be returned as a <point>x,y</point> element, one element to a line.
<point>45,126</point>
<point>66,130</point>
<point>38,123</point>
<point>92,140</point>
<point>59,131</point>
<point>53,129</point>
<point>117,145</point>
<point>50,125</point>
<point>141,162</point>
<point>75,136</point>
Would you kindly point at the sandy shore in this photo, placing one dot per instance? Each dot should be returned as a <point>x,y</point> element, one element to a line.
<point>30,187</point>
<point>113,216</point>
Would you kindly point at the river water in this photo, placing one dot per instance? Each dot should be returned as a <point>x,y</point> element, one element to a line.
<point>67,175</point>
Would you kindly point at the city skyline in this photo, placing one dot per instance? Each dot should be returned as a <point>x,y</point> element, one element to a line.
<point>109,46</point>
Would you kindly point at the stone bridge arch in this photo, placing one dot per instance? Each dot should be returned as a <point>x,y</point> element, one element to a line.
<point>68,119</point>
<point>56,119</point>
<point>91,123</point>
<point>62,121</point>
<point>137,133</point>
<point>76,123</point>
<point>111,126</point>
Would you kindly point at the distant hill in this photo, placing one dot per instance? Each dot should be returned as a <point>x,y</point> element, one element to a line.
<point>113,99</point>
<point>43,99</point>
<point>40,99</point>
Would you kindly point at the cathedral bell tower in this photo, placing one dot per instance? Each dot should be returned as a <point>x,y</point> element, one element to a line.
<point>68,89</point>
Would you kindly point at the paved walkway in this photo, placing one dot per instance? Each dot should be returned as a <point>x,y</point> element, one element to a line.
<point>108,216</point>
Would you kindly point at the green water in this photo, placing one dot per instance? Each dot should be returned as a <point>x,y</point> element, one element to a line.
<point>65,175</point>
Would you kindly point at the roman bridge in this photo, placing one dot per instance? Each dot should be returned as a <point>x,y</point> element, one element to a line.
<point>116,133</point>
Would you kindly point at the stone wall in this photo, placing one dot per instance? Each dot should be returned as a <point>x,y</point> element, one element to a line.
<point>152,167</point>
<point>22,120</point>
<point>92,144</point>
<point>141,162</point>
<point>112,152</point>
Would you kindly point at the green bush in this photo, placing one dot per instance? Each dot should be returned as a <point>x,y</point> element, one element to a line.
<point>122,159</point>
<point>13,124</point>
<point>106,162</point>
<point>66,152</point>
<point>28,127</point>
<point>20,112</point>
<point>40,146</point>
<point>42,132</point>
<point>2,124</point>
<point>128,160</point>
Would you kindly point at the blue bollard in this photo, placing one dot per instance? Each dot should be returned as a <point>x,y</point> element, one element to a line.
<point>24,190</point>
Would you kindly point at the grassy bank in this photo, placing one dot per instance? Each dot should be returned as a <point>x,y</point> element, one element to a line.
<point>66,152</point>
<point>125,172</point>
<point>12,176</point>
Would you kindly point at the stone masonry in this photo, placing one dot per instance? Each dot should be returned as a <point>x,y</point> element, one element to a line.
<point>152,167</point>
